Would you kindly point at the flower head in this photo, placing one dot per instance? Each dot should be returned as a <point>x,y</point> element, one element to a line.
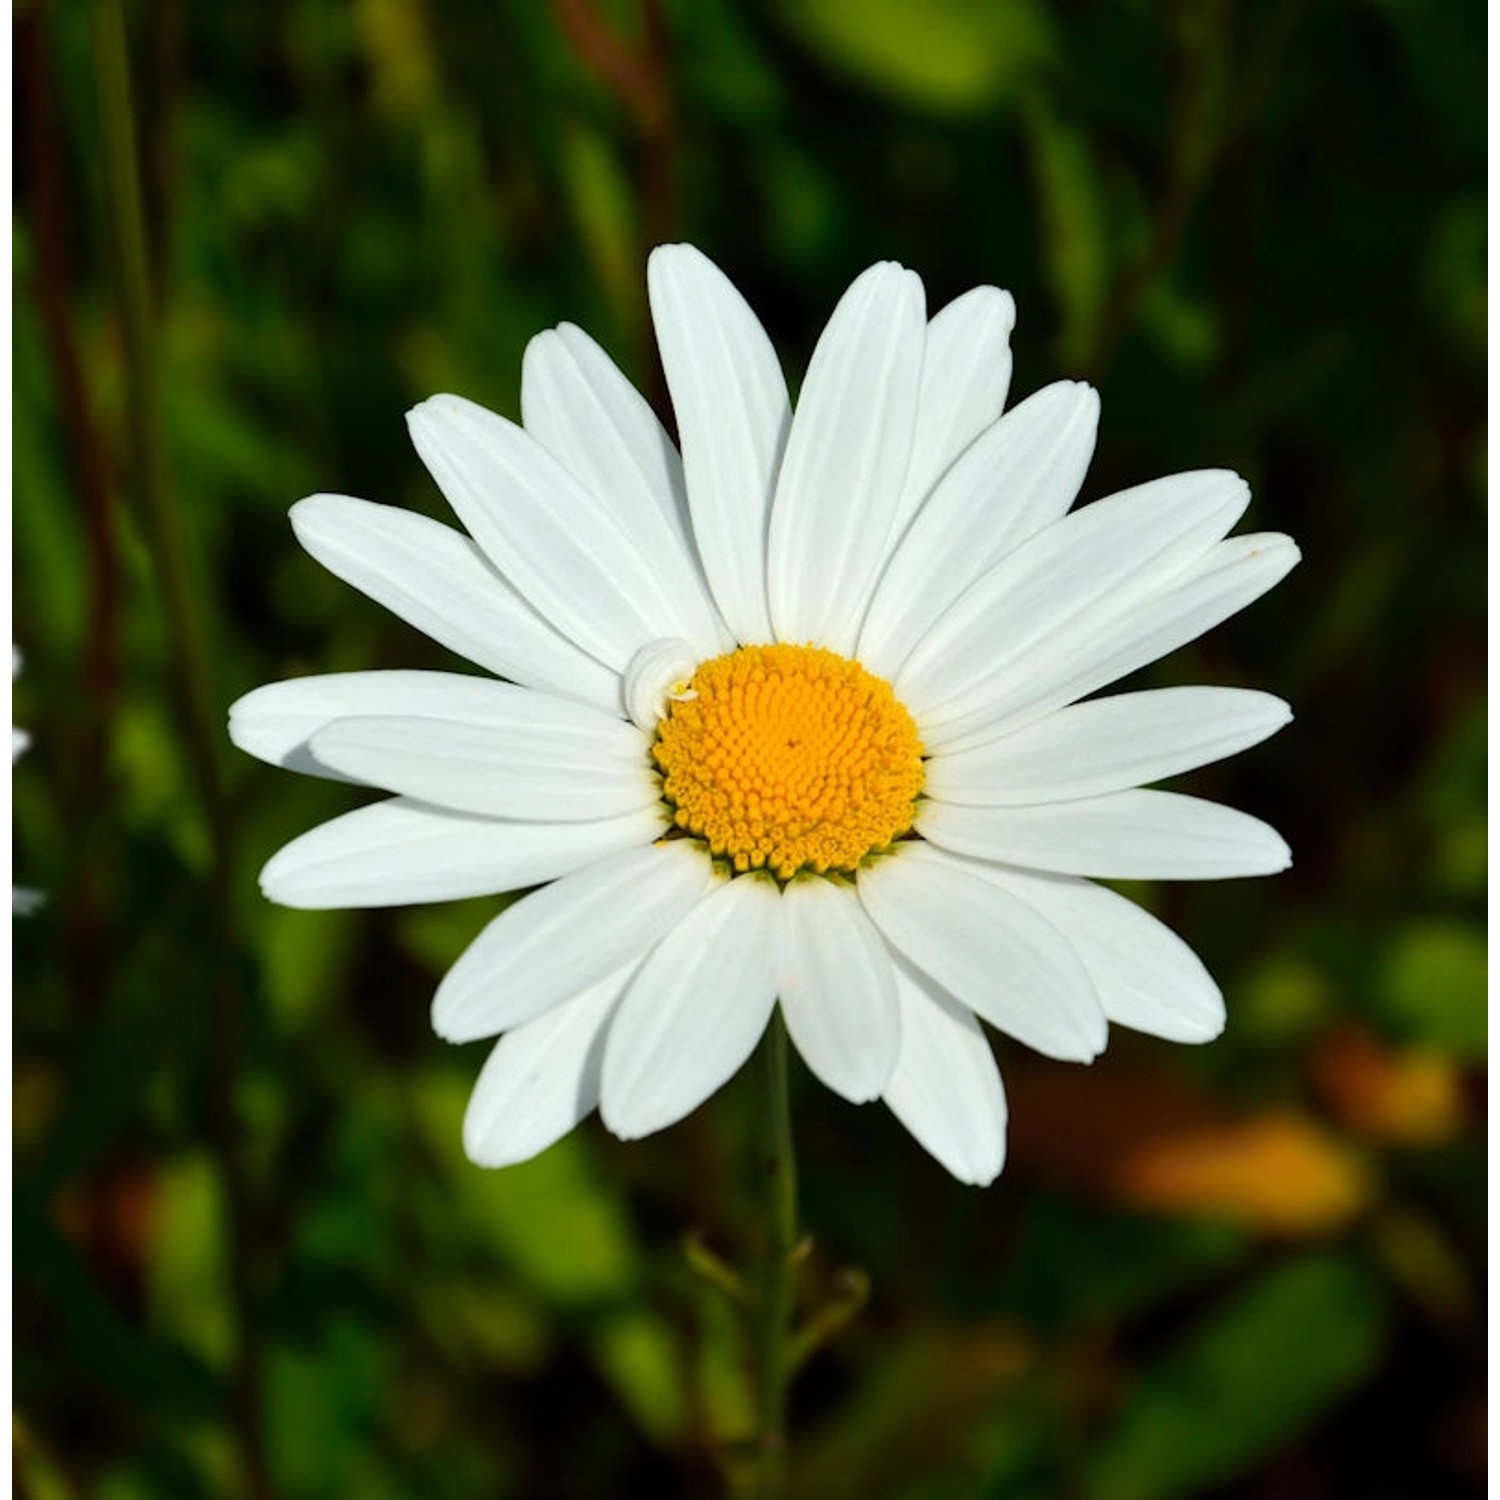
<point>793,716</point>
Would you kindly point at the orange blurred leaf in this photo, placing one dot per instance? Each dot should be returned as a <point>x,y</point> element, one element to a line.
<point>1147,1140</point>
<point>1405,1096</point>
<point>1280,1172</point>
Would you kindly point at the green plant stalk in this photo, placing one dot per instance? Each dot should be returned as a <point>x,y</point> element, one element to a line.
<point>191,657</point>
<point>771,1316</point>
<point>186,617</point>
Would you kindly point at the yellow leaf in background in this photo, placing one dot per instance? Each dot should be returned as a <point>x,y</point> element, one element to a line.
<point>1279,1172</point>
<point>1407,1096</point>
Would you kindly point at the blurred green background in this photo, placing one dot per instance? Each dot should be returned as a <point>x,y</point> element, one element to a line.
<point>250,1258</point>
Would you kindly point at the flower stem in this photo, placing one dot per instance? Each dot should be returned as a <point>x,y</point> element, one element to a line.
<point>771,1316</point>
<point>186,614</point>
<point>181,593</point>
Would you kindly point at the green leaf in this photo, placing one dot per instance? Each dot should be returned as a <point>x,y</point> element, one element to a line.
<point>1455,273</point>
<point>1285,997</point>
<point>604,211</point>
<point>46,537</point>
<point>552,1219</point>
<point>1450,798</point>
<point>323,1408</point>
<point>86,1332</point>
<point>436,935</point>
<point>951,56</point>
<point>305,960</point>
<point>640,1358</point>
<point>503,1328</point>
<point>1077,1264</point>
<point>724,64</point>
<point>1186,329</point>
<point>1244,1383</point>
<point>1070,204</point>
<point>188,1280</point>
<point>1433,987</point>
<point>562,1229</point>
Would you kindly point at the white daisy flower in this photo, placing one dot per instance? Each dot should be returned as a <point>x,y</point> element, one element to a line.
<point>792,718</point>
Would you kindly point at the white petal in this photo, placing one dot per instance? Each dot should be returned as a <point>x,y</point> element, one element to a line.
<point>1113,639</point>
<point>1019,476</point>
<point>535,758</point>
<point>564,548</point>
<point>946,1088</point>
<point>1147,977</point>
<point>696,1009</point>
<point>1123,547</point>
<point>578,405</point>
<point>846,461</point>
<point>838,991</point>
<point>1124,836</point>
<point>657,675</point>
<point>1108,745</point>
<point>436,579</point>
<point>733,414</point>
<point>988,950</point>
<point>965,377</point>
<point>276,723</point>
<point>568,935</point>
<point>541,1080</point>
<point>399,853</point>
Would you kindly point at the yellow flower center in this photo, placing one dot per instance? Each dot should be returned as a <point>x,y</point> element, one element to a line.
<point>789,758</point>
